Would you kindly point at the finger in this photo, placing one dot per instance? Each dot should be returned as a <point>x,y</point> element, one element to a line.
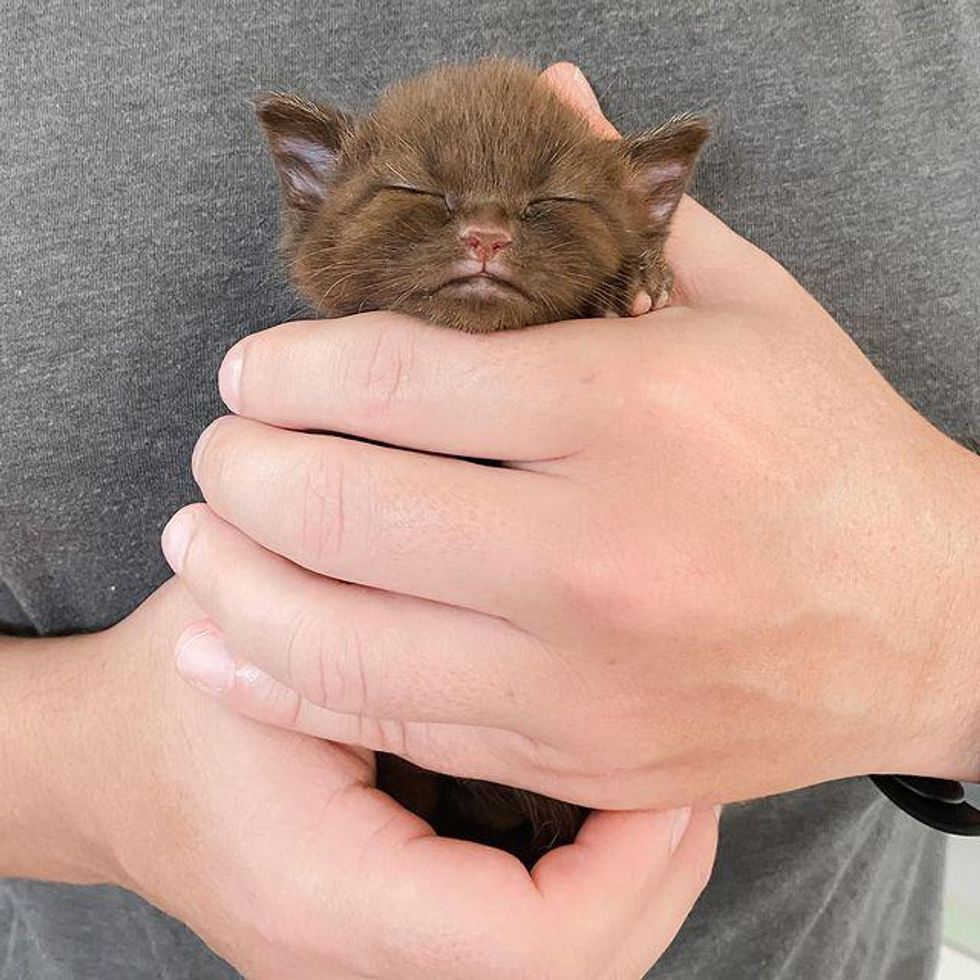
<point>204,659</point>
<point>472,751</point>
<point>570,85</point>
<point>467,750</point>
<point>437,528</point>
<point>344,647</point>
<point>388,377</point>
<point>712,264</point>
<point>714,267</point>
<point>661,915</point>
<point>628,884</point>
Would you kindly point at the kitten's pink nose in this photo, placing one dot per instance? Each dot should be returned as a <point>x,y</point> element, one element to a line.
<point>485,240</point>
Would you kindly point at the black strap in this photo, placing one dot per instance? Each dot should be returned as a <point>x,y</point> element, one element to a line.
<point>938,803</point>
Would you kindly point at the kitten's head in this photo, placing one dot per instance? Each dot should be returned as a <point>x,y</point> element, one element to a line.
<point>473,197</point>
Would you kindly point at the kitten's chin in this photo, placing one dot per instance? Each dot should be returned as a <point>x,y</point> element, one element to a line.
<point>475,310</point>
<point>481,289</point>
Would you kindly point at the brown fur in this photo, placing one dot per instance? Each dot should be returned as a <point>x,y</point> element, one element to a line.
<point>375,212</point>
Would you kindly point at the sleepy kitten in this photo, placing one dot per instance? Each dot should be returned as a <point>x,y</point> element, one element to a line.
<point>475,198</point>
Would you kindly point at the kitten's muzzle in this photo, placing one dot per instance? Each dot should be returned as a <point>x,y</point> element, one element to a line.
<point>486,280</point>
<point>482,285</point>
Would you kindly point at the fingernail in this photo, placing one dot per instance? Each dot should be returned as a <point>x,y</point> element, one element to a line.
<point>230,376</point>
<point>175,538</point>
<point>717,809</point>
<point>682,818</point>
<point>204,660</point>
<point>202,441</point>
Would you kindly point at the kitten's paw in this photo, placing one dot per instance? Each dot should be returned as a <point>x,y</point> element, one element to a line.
<point>658,280</point>
<point>641,304</point>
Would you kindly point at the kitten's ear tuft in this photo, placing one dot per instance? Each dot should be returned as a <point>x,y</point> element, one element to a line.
<point>305,139</point>
<point>663,161</point>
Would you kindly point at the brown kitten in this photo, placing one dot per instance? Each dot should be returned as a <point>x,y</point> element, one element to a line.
<point>475,198</point>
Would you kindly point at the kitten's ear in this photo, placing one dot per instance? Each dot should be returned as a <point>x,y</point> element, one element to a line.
<point>663,161</point>
<point>305,139</point>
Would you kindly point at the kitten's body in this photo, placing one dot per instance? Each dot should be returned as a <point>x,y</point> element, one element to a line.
<point>475,198</point>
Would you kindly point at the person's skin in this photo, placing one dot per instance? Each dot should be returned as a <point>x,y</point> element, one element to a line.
<point>277,850</point>
<point>724,558</point>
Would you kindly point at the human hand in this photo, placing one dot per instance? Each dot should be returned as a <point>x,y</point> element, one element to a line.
<point>724,558</point>
<point>277,850</point>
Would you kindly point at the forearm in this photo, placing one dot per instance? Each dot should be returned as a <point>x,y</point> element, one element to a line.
<point>48,779</point>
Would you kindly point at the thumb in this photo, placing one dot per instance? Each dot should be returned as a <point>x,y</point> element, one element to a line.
<point>571,86</point>
<point>629,881</point>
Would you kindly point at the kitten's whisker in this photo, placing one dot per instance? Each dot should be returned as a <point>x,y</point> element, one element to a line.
<point>335,284</point>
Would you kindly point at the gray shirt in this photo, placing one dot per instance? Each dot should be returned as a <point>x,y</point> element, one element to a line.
<point>137,243</point>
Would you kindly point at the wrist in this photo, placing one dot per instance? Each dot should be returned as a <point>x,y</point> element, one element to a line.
<point>947,706</point>
<point>50,765</point>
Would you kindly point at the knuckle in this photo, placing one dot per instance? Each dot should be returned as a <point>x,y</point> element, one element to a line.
<point>284,707</point>
<point>343,675</point>
<point>323,511</point>
<point>265,699</point>
<point>302,650</point>
<point>325,662</point>
<point>380,735</point>
<point>392,734</point>
<point>382,376</point>
<point>329,664</point>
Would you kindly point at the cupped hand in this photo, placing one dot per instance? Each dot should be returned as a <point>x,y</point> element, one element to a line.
<point>723,557</point>
<point>277,850</point>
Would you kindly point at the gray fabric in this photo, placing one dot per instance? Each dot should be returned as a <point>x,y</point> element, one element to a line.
<point>13,619</point>
<point>136,239</point>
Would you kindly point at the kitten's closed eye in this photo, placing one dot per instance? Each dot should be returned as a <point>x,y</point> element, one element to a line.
<point>540,205</point>
<point>423,192</point>
<point>411,189</point>
<point>562,199</point>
